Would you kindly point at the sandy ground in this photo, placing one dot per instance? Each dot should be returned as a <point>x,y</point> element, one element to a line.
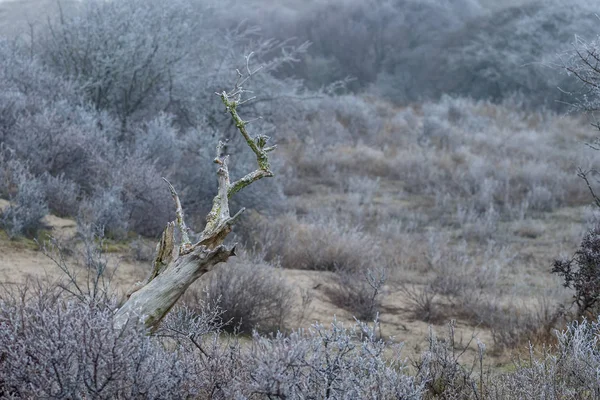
<point>22,259</point>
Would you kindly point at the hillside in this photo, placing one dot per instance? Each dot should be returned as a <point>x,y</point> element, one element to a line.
<point>427,176</point>
<point>489,270</point>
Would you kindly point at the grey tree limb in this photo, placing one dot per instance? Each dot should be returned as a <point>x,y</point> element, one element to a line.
<point>177,265</point>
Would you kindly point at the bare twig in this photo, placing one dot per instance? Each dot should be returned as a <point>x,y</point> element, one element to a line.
<point>258,143</point>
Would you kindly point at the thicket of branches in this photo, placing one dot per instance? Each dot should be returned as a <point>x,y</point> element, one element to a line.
<point>414,50</point>
<point>100,102</point>
<point>581,272</point>
<point>104,100</point>
<point>54,345</point>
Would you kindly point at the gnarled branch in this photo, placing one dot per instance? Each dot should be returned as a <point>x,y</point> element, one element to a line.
<point>177,266</point>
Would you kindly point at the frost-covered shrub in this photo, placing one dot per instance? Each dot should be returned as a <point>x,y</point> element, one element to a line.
<point>319,244</point>
<point>441,368</point>
<point>145,196</point>
<point>27,196</point>
<point>358,292</point>
<point>28,207</point>
<point>357,115</point>
<point>158,141</point>
<point>52,346</point>
<point>55,349</point>
<point>62,195</point>
<point>61,138</point>
<point>252,294</point>
<point>122,54</point>
<point>436,132</point>
<point>142,250</point>
<point>568,371</point>
<point>542,199</point>
<point>106,211</point>
<point>328,362</point>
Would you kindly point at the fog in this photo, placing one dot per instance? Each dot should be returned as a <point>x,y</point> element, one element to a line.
<point>403,50</point>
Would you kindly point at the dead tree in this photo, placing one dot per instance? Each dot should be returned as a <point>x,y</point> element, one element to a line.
<point>177,265</point>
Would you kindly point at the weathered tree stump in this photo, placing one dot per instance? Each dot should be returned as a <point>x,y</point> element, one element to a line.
<point>177,265</point>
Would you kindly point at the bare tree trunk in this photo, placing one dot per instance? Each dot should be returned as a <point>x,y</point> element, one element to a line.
<point>177,266</point>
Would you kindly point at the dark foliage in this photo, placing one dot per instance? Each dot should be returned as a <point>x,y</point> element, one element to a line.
<point>582,273</point>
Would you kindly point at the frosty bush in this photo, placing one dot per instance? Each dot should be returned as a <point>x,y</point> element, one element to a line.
<point>62,195</point>
<point>59,348</point>
<point>106,212</point>
<point>28,207</point>
<point>252,294</point>
<point>27,196</point>
<point>55,349</point>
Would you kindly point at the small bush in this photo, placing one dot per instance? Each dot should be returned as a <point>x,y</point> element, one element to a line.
<point>62,195</point>
<point>513,326</point>
<point>27,196</point>
<point>441,367</point>
<point>24,215</point>
<point>318,244</point>
<point>64,139</point>
<point>142,250</point>
<point>106,211</point>
<point>252,295</point>
<point>542,199</point>
<point>421,300</point>
<point>582,273</point>
<point>357,115</point>
<point>358,292</point>
<point>147,203</point>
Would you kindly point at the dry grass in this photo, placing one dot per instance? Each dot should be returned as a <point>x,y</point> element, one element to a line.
<point>466,214</point>
<point>467,203</point>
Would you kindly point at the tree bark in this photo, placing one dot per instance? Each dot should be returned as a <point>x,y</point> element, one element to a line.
<point>153,301</point>
<point>176,267</point>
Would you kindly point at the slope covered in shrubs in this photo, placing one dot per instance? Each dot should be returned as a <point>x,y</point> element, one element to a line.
<point>416,50</point>
<point>443,208</point>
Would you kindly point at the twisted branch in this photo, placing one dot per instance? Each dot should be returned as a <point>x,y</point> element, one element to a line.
<point>176,267</point>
